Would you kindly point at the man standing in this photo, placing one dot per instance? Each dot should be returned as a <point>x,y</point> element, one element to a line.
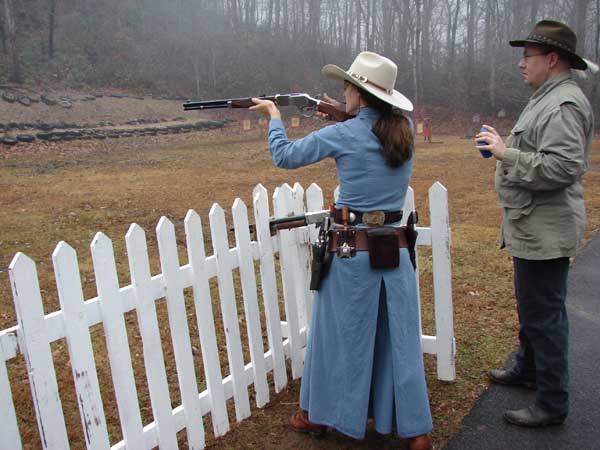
<point>538,182</point>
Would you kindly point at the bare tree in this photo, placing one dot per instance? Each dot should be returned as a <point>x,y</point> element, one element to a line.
<point>595,87</point>
<point>388,21</point>
<point>535,6</point>
<point>314,13</point>
<point>426,68</point>
<point>358,26</point>
<point>11,42</point>
<point>579,11</point>
<point>597,43</point>
<point>452,28</point>
<point>2,34</point>
<point>417,54</point>
<point>51,22</point>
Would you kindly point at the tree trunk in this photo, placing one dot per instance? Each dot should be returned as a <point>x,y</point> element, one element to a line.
<point>426,68</point>
<point>301,17</point>
<point>286,30</point>
<point>314,13</point>
<point>596,88</point>
<point>580,16</point>
<point>597,43</point>
<point>388,20</point>
<point>417,55</point>
<point>471,5</point>
<point>374,34</point>
<point>347,28</point>
<point>358,26</point>
<point>11,42</point>
<point>2,35</point>
<point>51,17</point>
<point>489,47</point>
<point>471,28</point>
<point>367,16</point>
<point>452,43</point>
<point>278,16</point>
<point>535,6</point>
<point>270,16</point>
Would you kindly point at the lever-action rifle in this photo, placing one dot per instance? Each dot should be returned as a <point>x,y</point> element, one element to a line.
<point>304,102</point>
<point>308,218</point>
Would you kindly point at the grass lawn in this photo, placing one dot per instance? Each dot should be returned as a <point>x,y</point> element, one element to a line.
<point>69,191</point>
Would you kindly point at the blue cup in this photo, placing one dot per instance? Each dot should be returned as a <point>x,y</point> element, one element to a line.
<point>484,153</point>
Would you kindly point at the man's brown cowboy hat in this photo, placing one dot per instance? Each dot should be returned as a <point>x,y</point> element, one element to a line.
<point>557,36</point>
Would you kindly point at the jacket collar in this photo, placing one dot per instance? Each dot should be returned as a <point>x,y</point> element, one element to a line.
<point>367,112</point>
<point>551,84</point>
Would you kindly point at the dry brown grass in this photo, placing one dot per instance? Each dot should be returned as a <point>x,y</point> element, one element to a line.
<point>69,191</point>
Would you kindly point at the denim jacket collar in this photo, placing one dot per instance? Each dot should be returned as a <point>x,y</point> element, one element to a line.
<point>367,112</point>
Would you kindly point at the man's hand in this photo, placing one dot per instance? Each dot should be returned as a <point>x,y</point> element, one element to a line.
<point>495,144</point>
<point>266,108</point>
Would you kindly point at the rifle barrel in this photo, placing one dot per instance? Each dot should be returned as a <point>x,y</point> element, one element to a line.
<point>244,102</point>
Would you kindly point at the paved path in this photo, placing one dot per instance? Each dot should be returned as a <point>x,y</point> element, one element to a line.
<point>484,428</point>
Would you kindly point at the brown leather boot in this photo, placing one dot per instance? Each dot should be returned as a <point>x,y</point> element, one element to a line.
<point>422,442</point>
<point>299,422</point>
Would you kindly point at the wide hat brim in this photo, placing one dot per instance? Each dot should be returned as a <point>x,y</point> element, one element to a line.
<point>393,98</point>
<point>577,61</point>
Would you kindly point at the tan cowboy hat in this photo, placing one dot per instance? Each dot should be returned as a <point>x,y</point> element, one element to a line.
<point>375,74</point>
<point>555,35</point>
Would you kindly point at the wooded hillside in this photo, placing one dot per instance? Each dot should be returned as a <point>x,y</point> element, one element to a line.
<point>450,52</point>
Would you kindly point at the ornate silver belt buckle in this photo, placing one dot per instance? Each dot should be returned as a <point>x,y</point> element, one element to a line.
<point>373,218</point>
<point>345,251</point>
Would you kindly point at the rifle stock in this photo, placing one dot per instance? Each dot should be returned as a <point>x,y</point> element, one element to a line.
<point>332,112</point>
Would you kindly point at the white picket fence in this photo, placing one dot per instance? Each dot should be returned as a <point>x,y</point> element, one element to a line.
<point>286,339</point>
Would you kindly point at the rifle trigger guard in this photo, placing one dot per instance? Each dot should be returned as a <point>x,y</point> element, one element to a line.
<point>307,111</point>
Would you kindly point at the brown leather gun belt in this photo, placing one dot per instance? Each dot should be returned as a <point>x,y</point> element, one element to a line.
<point>390,217</point>
<point>357,238</point>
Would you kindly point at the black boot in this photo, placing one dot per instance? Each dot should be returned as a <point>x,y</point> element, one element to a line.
<point>511,378</point>
<point>533,417</point>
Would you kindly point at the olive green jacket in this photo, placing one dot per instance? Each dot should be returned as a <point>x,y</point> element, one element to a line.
<point>538,182</point>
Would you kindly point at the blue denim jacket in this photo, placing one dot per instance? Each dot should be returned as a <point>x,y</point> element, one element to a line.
<point>366,182</point>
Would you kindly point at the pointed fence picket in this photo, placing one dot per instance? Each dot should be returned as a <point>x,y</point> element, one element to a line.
<point>205,318</point>
<point>266,251</point>
<point>180,333</point>
<point>139,267</point>
<point>35,345</point>
<point>117,343</point>
<point>288,259</point>
<point>248,281</point>
<point>9,429</point>
<point>229,311</point>
<point>83,366</point>
<point>286,336</point>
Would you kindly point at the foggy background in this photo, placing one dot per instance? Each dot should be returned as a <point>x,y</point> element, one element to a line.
<point>451,53</point>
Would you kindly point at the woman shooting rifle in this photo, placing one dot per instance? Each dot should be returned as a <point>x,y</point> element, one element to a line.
<point>364,356</point>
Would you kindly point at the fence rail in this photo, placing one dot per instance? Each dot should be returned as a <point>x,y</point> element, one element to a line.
<point>286,336</point>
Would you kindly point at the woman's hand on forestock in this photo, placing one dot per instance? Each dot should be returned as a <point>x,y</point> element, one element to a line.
<point>332,101</point>
<point>266,108</point>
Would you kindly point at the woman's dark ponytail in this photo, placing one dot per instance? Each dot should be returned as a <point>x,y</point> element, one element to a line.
<point>393,130</point>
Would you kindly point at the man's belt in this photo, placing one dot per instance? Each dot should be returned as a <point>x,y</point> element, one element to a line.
<point>369,218</point>
<point>358,237</point>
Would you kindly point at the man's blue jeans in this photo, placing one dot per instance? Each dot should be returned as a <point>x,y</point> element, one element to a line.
<point>541,292</point>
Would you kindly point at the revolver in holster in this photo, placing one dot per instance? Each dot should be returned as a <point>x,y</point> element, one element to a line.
<point>320,256</point>
<point>411,237</point>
